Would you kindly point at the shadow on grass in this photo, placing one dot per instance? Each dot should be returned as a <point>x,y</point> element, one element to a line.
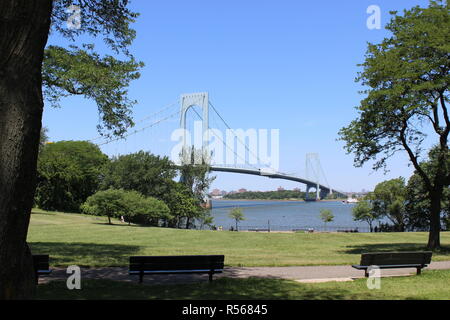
<point>85,254</point>
<point>224,288</point>
<point>394,247</point>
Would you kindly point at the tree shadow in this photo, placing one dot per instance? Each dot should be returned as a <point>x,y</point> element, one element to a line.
<point>220,289</point>
<point>85,254</point>
<point>393,247</point>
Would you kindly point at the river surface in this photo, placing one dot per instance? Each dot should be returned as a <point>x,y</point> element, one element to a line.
<point>286,215</point>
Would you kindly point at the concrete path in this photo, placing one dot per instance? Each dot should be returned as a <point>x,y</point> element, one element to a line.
<point>301,274</point>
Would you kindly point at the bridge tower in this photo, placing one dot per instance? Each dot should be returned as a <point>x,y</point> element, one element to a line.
<point>189,100</point>
<point>313,171</point>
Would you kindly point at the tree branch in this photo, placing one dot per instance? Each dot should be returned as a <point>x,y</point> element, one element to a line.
<point>413,157</point>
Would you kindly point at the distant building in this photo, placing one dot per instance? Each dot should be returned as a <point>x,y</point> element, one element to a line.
<point>280,189</point>
<point>242,190</point>
<point>216,192</point>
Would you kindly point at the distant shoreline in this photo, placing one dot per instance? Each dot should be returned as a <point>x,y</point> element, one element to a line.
<point>278,200</point>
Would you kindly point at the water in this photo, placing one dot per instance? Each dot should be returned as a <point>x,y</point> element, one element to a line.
<point>286,215</point>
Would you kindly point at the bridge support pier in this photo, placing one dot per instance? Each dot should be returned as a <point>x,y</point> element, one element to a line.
<point>308,187</point>
<point>320,193</point>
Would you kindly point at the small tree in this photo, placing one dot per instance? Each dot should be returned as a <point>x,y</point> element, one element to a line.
<point>326,215</point>
<point>110,203</point>
<point>205,218</point>
<point>363,212</point>
<point>237,215</point>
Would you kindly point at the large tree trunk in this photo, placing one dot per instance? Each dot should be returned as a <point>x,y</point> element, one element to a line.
<point>24,28</point>
<point>434,241</point>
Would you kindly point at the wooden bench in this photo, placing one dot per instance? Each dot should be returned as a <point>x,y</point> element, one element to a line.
<point>393,260</point>
<point>41,265</point>
<point>142,265</point>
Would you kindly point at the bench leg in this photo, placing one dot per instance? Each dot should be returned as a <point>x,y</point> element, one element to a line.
<point>141,277</point>
<point>36,278</point>
<point>419,271</point>
<point>210,277</point>
<point>366,274</point>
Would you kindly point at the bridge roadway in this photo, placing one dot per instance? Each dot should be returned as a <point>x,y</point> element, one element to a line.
<point>324,190</point>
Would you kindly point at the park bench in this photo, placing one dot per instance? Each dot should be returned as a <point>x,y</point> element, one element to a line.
<point>41,265</point>
<point>392,260</point>
<point>142,265</point>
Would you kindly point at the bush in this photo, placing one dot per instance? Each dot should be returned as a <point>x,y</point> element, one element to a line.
<point>132,205</point>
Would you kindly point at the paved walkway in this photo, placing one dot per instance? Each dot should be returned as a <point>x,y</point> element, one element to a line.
<point>301,274</point>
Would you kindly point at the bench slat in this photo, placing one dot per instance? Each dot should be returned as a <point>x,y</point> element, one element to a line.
<point>395,258</point>
<point>141,265</point>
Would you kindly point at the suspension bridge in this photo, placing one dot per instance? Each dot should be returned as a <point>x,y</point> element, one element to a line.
<point>246,160</point>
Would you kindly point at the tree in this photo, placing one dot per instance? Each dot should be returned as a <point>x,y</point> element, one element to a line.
<point>205,218</point>
<point>144,210</point>
<point>237,215</point>
<point>68,173</point>
<point>389,200</point>
<point>142,171</point>
<point>109,203</point>
<point>24,29</point>
<point>43,139</point>
<point>132,205</point>
<point>407,81</point>
<point>418,203</point>
<point>326,216</point>
<point>194,173</point>
<point>363,211</point>
<point>182,205</point>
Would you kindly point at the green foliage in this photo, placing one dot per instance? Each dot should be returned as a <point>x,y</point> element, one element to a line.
<point>68,172</point>
<point>418,206</point>
<point>363,212</point>
<point>110,203</point>
<point>194,173</point>
<point>144,172</point>
<point>269,195</point>
<point>81,71</point>
<point>43,139</point>
<point>389,200</point>
<point>183,206</point>
<point>326,216</point>
<point>237,215</point>
<point>78,71</point>
<point>206,219</point>
<point>407,79</point>
<point>130,204</point>
<point>406,75</point>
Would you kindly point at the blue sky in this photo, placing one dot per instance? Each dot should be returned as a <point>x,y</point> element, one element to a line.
<point>287,65</point>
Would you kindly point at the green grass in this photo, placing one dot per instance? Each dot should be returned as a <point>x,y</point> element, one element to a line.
<point>430,285</point>
<point>89,241</point>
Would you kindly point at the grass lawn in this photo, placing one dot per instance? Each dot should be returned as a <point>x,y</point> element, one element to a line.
<point>431,284</point>
<point>89,241</point>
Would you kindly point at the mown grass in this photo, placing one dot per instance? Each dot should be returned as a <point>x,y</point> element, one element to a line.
<point>89,241</point>
<point>431,284</point>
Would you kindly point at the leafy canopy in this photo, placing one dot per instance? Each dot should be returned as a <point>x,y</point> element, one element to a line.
<point>79,70</point>
<point>407,80</point>
<point>68,172</point>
